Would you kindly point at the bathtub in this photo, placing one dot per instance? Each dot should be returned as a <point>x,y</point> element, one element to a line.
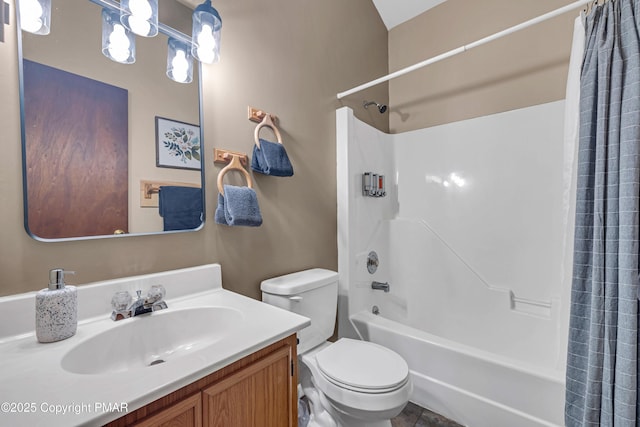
<point>471,386</point>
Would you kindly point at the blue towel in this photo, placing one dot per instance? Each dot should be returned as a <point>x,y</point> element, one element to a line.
<point>180,207</point>
<point>219,215</point>
<point>238,206</point>
<point>271,159</point>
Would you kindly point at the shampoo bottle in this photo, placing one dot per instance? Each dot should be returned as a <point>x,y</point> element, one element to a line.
<point>56,309</point>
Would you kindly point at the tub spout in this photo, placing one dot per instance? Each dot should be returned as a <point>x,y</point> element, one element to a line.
<point>380,286</point>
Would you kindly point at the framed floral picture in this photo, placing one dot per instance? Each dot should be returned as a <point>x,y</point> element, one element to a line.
<point>177,144</point>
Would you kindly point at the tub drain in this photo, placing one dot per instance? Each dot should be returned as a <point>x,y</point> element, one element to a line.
<point>156,362</point>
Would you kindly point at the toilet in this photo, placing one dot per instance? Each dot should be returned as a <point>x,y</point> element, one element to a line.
<point>349,383</point>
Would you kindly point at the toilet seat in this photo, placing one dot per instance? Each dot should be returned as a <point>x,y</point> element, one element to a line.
<point>362,366</point>
<point>369,403</point>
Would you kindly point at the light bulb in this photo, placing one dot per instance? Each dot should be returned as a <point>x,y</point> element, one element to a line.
<point>139,25</point>
<point>31,15</point>
<point>205,38</point>
<point>141,9</point>
<point>206,44</point>
<point>180,67</point>
<point>138,16</point>
<point>205,56</point>
<point>119,44</point>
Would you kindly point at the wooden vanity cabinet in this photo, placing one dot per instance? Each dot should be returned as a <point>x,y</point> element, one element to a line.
<point>259,390</point>
<point>185,413</point>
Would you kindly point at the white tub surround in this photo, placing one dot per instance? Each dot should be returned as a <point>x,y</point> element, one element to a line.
<point>35,384</point>
<point>470,240</point>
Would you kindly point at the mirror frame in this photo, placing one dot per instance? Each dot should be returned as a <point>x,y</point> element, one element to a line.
<point>169,32</point>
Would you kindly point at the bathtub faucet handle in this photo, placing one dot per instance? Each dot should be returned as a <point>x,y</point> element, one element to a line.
<point>372,262</point>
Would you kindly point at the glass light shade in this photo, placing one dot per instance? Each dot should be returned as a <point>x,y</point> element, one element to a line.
<point>118,43</point>
<point>35,16</point>
<point>140,16</point>
<point>207,25</point>
<point>179,61</point>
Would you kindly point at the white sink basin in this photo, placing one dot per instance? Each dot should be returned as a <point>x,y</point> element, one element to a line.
<point>205,329</point>
<point>148,340</point>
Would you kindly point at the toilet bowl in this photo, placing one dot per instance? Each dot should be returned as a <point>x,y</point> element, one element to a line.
<point>363,382</point>
<point>350,383</point>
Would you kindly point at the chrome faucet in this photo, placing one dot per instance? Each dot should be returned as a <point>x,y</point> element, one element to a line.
<point>380,286</point>
<point>124,306</point>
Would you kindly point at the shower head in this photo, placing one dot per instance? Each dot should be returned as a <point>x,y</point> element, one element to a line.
<point>381,107</point>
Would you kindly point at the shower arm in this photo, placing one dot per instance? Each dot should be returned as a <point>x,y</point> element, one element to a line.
<point>382,108</point>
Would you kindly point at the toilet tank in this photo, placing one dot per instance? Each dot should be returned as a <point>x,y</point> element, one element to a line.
<point>310,293</point>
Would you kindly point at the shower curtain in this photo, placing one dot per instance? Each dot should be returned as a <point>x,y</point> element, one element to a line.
<point>602,362</point>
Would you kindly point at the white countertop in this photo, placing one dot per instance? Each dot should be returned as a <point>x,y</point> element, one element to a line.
<point>33,384</point>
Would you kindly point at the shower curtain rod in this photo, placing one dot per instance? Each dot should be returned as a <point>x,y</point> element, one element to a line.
<point>466,47</point>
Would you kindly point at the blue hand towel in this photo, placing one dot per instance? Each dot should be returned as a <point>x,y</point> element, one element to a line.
<point>219,215</point>
<point>271,159</point>
<point>180,207</point>
<point>240,207</point>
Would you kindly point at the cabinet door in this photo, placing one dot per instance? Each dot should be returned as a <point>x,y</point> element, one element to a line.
<point>186,413</point>
<point>259,395</point>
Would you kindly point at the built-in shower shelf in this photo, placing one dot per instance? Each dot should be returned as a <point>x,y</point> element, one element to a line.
<point>530,306</point>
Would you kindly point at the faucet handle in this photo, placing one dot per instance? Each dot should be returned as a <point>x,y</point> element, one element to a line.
<point>155,294</point>
<point>121,301</point>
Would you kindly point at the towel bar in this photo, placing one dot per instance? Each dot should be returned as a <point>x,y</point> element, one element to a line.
<point>236,164</point>
<point>266,121</point>
<point>149,191</point>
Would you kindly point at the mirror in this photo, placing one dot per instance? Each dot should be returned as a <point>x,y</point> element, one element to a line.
<point>100,139</point>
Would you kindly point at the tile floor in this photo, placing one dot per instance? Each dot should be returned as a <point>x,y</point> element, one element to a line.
<point>416,416</point>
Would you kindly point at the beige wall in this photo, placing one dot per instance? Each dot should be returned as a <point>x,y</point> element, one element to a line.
<point>287,57</point>
<point>523,69</point>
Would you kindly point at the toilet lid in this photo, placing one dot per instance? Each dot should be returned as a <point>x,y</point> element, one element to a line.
<point>362,365</point>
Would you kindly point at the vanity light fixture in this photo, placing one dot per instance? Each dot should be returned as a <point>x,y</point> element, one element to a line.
<point>179,61</point>
<point>205,37</point>
<point>140,16</point>
<point>121,20</point>
<point>35,16</point>
<point>118,43</point>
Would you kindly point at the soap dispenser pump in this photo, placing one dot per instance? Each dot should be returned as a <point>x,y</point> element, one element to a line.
<point>56,309</point>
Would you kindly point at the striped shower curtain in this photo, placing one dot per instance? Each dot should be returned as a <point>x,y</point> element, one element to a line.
<point>602,363</point>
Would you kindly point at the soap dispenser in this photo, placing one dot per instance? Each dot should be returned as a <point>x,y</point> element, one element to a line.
<point>56,309</point>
